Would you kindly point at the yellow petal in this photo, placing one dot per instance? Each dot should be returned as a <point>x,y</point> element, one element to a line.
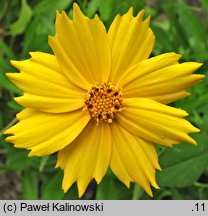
<point>82,48</point>
<point>45,133</point>
<point>148,66</point>
<point>118,167</point>
<point>155,122</point>
<point>168,98</point>
<point>41,75</point>
<point>51,105</point>
<point>160,78</point>
<point>133,161</point>
<point>87,157</point>
<point>131,41</point>
<point>150,151</point>
<point>104,149</point>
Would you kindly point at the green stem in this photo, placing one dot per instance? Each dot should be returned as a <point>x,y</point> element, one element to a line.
<point>137,192</point>
<point>202,185</point>
<point>12,122</point>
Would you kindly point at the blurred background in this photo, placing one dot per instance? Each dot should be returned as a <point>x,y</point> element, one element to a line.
<point>180,26</point>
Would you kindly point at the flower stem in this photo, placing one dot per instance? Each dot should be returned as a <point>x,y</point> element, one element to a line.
<point>137,192</point>
<point>202,185</point>
<point>12,122</point>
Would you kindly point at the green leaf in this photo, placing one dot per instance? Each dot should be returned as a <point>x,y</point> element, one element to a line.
<point>203,69</point>
<point>112,189</point>
<point>52,188</point>
<point>205,4</point>
<point>4,144</point>
<point>137,5</point>
<point>30,35</point>
<point>72,193</point>
<point>5,83</point>
<point>38,29</point>
<point>14,105</point>
<point>177,31</point>
<point>50,6</point>
<point>4,7</point>
<point>43,163</point>
<point>18,160</point>
<point>105,9</point>
<point>137,192</point>
<point>163,42</point>
<point>19,26</point>
<point>195,31</point>
<point>197,102</point>
<point>41,44</point>
<point>176,195</point>
<point>199,55</point>
<point>203,192</point>
<point>92,7</point>
<point>162,194</point>
<point>183,164</point>
<point>6,50</point>
<point>5,65</point>
<point>30,185</point>
<point>1,121</point>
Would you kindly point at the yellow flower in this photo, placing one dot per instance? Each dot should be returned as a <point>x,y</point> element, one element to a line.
<point>99,101</point>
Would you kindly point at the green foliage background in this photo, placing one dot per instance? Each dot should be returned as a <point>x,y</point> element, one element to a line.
<point>180,26</point>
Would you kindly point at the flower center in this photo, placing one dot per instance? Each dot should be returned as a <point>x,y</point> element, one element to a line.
<point>103,102</point>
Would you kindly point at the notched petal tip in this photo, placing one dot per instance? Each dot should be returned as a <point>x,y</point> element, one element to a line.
<point>147,20</point>
<point>190,140</point>
<point>19,64</point>
<point>9,138</point>
<point>57,165</point>
<point>140,14</point>
<point>57,13</point>
<point>130,11</point>
<point>19,98</point>
<point>77,13</point>
<point>199,64</point>
<point>36,152</point>
<point>64,190</point>
<point>31,154</point>
<point>183,112</point>
<point>155,185</point>
<point>126,183</point>
<point>11,75</point>
<point>200,76</point>
<point>8,131</point>
<point>193,65</point>
<point>15,63</point>
<point>61,18</point>
<point>33,54</point>
<point>194,142</point>
<point>158,168</point>
<point>193,129</point>
<point>97,19</point>
<point>149,192</point>
<point>197,130</point>
<point>52,40</point>
<point>98,180</point>
<point>65,187</point>
<point>173,55</point>
<point>80,193</point>
<point>76,6</point>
